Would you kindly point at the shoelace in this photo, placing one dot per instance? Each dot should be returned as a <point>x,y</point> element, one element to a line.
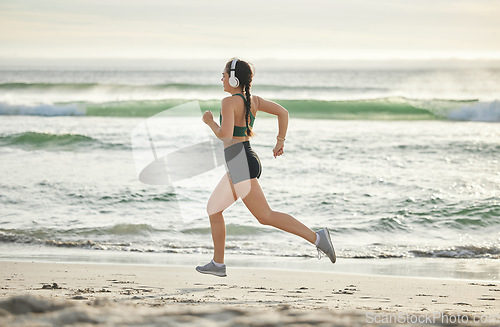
<point>320,253</point>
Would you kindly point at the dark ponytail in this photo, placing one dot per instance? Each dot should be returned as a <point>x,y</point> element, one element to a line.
<point>248,105</point>
<point>244,73</point>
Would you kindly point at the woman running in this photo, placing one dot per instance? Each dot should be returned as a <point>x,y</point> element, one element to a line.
<point>244,168</point>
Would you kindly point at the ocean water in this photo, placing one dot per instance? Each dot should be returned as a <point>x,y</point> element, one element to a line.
<point>397,163</point>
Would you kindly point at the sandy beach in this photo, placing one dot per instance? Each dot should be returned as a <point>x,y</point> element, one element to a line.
<point>46,294</point>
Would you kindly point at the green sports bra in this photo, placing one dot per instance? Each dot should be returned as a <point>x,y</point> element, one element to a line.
<point>240,130</point>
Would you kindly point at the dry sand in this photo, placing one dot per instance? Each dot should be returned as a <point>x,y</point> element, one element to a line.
<point>55,294</point>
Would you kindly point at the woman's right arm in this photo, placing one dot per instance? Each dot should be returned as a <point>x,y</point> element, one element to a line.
<point>225,131</point>
<point>275,109</point>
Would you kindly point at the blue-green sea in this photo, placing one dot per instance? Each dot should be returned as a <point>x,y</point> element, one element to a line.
<point>401,164</point>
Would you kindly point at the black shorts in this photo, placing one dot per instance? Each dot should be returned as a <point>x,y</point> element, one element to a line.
<point>242,162</point>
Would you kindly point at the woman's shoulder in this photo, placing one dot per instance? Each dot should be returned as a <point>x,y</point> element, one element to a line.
<point>227,99</point>
<point>256,100</point>
<point>227,103</point>
<point>230,100</point>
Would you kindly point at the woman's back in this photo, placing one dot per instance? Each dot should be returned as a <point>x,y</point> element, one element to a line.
<point>239,109</point>
<point>237,103</point>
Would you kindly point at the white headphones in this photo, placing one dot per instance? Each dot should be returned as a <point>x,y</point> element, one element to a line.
<point>233,80</point>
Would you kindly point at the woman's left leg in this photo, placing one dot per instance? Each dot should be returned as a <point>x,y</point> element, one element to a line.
<point>256,202</point>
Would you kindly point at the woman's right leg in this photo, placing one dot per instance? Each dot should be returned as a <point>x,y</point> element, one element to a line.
<point>256,202</point>
<point>222,197</point>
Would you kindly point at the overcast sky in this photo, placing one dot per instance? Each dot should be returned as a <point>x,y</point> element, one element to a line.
<point>354,29</point>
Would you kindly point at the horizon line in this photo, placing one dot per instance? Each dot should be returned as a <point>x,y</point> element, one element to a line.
<point>375,58</point>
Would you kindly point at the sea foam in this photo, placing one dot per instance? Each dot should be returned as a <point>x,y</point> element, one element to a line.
<point>480,111</point>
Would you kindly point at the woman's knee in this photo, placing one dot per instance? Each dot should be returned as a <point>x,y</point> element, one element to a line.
<point>213,209</point>
<point>264,217</point>
<point>216,217</point>
<point>210,208</point>
<point>215,205</point>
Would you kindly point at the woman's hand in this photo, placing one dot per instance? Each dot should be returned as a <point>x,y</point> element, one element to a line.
<point>278,149</point>
<point>208,117</point>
